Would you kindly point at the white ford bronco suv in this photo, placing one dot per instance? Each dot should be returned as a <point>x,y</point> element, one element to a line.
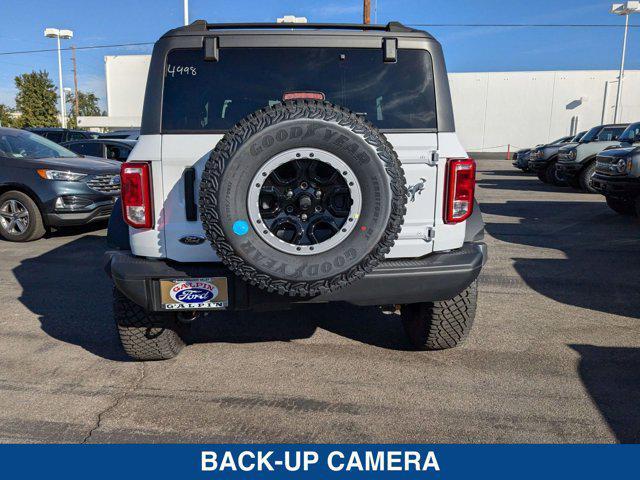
<point>295,163</point>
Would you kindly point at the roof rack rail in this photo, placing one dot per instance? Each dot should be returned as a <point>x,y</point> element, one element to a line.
<point>202,25</point>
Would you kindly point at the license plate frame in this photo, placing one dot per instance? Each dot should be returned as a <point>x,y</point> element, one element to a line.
<point>206,293</point>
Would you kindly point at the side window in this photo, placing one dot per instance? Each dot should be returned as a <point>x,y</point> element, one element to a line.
<point>609,134</point>
<point>117,152</point>
<point>86,148</point>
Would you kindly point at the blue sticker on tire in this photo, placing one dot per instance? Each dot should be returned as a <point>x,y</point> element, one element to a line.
<point>240,227</point>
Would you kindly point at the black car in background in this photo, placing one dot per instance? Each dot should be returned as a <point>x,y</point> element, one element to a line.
<point>42,185</point>
<point>61,135</point>
<point>102,147</point>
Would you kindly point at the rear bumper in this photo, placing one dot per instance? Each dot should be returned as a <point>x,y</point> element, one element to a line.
<point>616,186</point>
<point>439,276</point>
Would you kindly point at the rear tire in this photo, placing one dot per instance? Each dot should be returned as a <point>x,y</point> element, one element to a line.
<point>585,178</point>
<point>621,206</point>
<point>30,226</point>
<point>145,335</point>
<point>443,324</point>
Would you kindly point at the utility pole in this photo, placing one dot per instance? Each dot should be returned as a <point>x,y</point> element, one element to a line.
<point>621,75</point>
<point>366,12</point>
<point>58,34</point>
<point>625,9</point>
<point>75,83</point>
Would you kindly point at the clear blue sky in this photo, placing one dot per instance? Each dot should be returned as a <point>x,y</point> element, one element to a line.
<point>97,22</point>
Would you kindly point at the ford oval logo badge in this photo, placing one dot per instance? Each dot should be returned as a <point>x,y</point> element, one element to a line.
<point>193,292</point>
<point>192,240</point>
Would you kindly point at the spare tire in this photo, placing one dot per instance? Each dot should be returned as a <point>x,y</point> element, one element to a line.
<point>302,198</point>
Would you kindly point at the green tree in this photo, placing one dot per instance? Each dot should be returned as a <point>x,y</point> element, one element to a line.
<point>36,100</point>
<point>87,106</point>
<point>6,118</point>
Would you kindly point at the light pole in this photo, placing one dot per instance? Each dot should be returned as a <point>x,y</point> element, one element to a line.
<point>58,34</point>
<point>625,9</point>
<point>186,12</point>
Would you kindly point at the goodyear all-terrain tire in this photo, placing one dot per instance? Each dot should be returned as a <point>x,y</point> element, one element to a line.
<point>585,178</point>
<point>308,131</point>
<point>146,336</point>
<point>443,324</point>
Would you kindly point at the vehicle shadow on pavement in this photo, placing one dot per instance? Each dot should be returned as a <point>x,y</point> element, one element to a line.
<point>68,290</point>
<point>77,230</point>
<point>611,376</point>
<point>366,325</point>
<point>71,294</point>
<point>508,173</point>
<point>531,184</point>
<point>600,250</point>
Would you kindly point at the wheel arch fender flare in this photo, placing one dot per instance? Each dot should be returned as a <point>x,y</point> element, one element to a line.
<point>588,161</point>
<point>19,187</point>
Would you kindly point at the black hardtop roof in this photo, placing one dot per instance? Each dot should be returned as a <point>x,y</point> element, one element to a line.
<point>200,27</point>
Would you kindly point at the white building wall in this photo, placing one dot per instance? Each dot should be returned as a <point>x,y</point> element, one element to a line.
<point>126,77</point>
<point>496,109</point>
<point>492,109</point>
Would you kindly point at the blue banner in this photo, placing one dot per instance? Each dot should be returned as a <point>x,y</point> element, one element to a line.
<point>318,461</point>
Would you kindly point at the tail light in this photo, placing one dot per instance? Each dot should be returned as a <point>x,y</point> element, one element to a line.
<point>461,182</point>
<point>137,208</point>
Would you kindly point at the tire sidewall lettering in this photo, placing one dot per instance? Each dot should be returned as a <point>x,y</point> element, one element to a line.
<point>315,270</point>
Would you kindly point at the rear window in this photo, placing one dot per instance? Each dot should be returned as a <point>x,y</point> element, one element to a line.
<point>213,96</point>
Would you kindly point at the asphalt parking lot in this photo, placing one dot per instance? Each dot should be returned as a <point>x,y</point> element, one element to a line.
<point>554,355</point>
